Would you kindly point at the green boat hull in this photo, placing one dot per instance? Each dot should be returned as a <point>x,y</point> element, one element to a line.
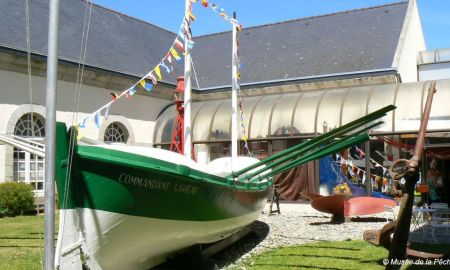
<point>106,192</point>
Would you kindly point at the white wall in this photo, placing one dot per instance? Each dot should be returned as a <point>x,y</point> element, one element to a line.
<point>411,42</point>
<point>139,112</point>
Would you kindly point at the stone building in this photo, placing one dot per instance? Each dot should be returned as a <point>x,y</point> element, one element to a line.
<point>300,78</point>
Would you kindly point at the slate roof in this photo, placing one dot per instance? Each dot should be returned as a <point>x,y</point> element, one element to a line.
<point>345,42</point>
<point>116,42</point>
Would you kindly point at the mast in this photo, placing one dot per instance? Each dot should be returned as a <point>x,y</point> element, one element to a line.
<point>234,105</point>
<point>50,136</point>
<point>187,89</point>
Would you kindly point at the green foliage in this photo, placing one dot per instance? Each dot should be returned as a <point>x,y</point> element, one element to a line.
<point>15,198</point>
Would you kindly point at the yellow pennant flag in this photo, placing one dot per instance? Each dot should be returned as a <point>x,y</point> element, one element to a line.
<point>175,54</point>
<point>158,72</point>
<point>79,135</point>
<point>192,16</point>
<point>142,83</point>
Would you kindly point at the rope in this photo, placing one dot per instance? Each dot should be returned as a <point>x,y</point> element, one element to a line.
<point>195,74</point>
<point>78,87</point>
<point>30,85</point>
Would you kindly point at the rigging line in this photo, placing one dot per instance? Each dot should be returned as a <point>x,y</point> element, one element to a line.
<point>30,85</point>
<point>195,74</point>
<point>124,92</point>
<point>78,86</point>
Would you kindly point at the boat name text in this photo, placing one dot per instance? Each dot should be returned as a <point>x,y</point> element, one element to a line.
<point>147,183</point>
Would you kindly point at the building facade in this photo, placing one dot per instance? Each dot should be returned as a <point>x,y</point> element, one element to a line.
<point>300,78</point>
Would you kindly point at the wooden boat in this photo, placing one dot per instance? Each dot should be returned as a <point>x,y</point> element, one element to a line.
<point>125,207</point>
<point>130,207</point>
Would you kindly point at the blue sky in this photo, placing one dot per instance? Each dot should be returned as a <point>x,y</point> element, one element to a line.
<point>168,14</point>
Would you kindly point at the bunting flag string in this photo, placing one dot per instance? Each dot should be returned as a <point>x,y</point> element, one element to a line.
<point>221,12</point>
<point>152,77</point>
<point>374,163</point>
<point>238,87</point>
<point>355,171</point>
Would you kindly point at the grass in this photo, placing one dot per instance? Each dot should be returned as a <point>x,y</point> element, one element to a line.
<point>329,256</point>
<point>321,255</point>
<point>21,242</point>
<point>22,247</point>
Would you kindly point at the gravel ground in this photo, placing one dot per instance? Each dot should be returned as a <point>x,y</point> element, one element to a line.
<point>297,224</point>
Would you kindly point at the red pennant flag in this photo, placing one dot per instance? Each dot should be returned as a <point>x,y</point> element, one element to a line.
<point>179,45</point>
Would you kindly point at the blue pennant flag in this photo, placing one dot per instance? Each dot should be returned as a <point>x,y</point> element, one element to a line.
<point>97,120</point>
<point>148,86</point>
<point>132,91</point>
<point>83,122</point>
<point>167,69</point>
<point>190,44</point>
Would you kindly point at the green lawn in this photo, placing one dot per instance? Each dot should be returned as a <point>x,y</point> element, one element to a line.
<point>327,256</point>
<point>21,242</point>
<point>321,255</point>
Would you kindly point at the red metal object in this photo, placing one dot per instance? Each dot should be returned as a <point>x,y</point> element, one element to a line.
<point>177,142</point>
<point>360,206</point>
<point>341,206</point>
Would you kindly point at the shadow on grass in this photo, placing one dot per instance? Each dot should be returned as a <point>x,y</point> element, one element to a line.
<point>314,256</point>
<point>17,246</point>
<point>330,247</point>
<point>20,238</point>
<point>300,266</point>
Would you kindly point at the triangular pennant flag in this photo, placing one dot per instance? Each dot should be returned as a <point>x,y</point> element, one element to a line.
<point>191,16</point>
<point>190,44</point>
<point>175,54</point>
<point>182,36</point>
<point>153,78</point>
<point>169,59</point>
<point>79,134</point>
<point>179,45</point>
<point>130,92</point>
<point>166,68</point>
<point>146,85</point>
<point>205,3</point>
<point>106,113</point>
<point>158,72</point>
<point>97,120</point>
<point>83,122</point>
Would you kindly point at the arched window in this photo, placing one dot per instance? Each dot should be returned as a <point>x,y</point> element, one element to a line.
<point>116,133</point>
<point>27,167</point>
<point>30,125</point>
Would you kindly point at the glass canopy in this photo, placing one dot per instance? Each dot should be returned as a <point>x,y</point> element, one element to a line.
<point>305,114</point>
